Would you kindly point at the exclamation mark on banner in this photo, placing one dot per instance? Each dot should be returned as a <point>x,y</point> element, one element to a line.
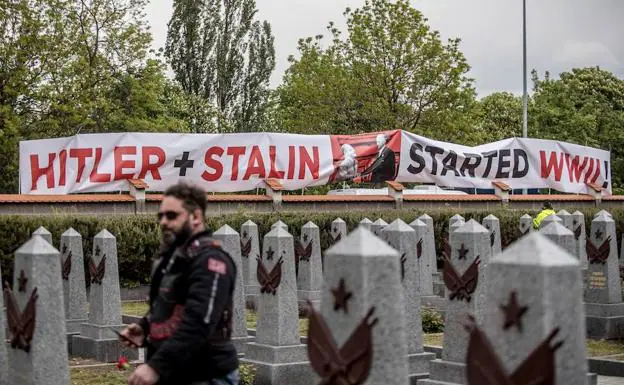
<point>605,184</point>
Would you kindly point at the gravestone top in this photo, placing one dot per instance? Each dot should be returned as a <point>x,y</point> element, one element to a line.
<point>603,217</point>
<point>104,234</point>
<point>249,222</point>
<point>380,222</point>
<point>526,216</point>
<point>279,223</point>
<point>310,225</point>
<point>417,223</point>
<point>537,249</point>
<point>41,231</point>
<point>577,213</point>
<point>366,220</point>
<point>361,242</point>
<point>338,220</point>
<point>491,217</point>
<point>226,230</point>
<point>36,245</point>
<point>603,212</point>
<point>563,212</point>
<point>556,228</point>
<point>425,216</point>
<point>550,219</point>
<point>71,232</point>
<point>456,217</point>
<point>472,226</point>
<point>400,225</point>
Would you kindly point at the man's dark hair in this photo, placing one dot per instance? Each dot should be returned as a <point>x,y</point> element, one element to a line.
<point>547,205</point>
<point>192,197</point>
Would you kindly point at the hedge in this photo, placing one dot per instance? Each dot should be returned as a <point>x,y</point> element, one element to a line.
<point>137,235</point>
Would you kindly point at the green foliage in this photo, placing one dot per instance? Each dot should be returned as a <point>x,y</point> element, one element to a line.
<point>432,321</point>
<point>138,236</point>
<point>247,374</point>
<point>392,71</point>
<point>585,106</point>
<point>219,53</point>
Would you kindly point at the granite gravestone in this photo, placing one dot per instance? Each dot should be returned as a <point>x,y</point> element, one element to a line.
<point>366,223</point>
<point>492,224</point>
<point>377,226</point>
<point>415,273</point>
<point>580,242</point>
<point>43,233</point>
<point>40,358</point>
<point>525,226</point>
<point>310,271</point>
<point>74,287</point>
<point>338,230</point>
<point>277,352</point>
<point>566,218</point>
<point>466,279</point>
<point>559,235</point>
<point>231,244</point>
<point>423,259</point>
<point>603,293</point>
<point>533,317</point>
<point>96,340</point>
<point>250,249</point>
<point>430,241</point>
<point>362,317</point>
<point>603,212</point>
<point>456,218</point>
<point>4,364</point>
<point>550,219</point>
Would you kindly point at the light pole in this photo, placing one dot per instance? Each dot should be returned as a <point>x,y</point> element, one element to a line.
<point>525,100</point>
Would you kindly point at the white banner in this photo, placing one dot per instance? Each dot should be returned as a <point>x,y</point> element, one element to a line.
<point>518,162</point>
<point>241,162</point>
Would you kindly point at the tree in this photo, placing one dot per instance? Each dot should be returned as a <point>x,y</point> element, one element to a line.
<point>218,52</point>
<point>392,71</point>
<point>499,116</point>
<point>584,106</point>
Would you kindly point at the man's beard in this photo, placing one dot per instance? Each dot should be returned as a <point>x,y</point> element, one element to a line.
<point>175,239</point>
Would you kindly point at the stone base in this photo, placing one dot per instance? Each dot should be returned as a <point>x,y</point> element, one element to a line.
<point>445,372</point>
<point>103,350</point>
<point>592,379</point>
<point>240,343</point>
<point>280,364</point>
<point>432,301</point>
<point>419,366</point>
<point>74,325</point>
<point>251,301</point>
<point>100,332</point>
<point>70,337</point>
<point>438,289</point>
<point>605,320</point>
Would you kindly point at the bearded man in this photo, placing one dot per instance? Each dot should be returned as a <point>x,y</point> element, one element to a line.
<point>188,326</point>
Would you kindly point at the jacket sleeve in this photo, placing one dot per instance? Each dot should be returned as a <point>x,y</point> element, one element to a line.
<point>210,278</point>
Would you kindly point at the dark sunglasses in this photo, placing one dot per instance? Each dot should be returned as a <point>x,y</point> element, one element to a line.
<point>170,215</point>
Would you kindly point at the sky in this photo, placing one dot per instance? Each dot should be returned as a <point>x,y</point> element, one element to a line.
<point>561,34</point>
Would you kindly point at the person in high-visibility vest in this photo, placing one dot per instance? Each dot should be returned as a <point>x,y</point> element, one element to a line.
<point>547,210</point>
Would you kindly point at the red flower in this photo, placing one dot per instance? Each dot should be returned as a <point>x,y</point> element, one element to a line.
<point>123,363</point>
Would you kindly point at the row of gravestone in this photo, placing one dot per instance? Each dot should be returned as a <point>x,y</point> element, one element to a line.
<point>276,337</point>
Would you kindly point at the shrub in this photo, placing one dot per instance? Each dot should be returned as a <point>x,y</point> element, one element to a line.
<point>247,374</point>
<point>138,235</point>
<point>432,321</point>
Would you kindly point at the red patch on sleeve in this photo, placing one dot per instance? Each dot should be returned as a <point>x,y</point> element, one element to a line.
<point>217,266</point>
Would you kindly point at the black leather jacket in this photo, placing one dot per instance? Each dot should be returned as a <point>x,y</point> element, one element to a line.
<point>188,326</point>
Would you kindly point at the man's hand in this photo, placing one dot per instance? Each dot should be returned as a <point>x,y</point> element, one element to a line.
<point>134,333</point>
<point>143,375</point>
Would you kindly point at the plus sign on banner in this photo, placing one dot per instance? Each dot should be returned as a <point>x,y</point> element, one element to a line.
<point>242,162</point>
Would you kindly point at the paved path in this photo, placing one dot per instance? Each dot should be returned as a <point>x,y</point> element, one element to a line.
<point>604,380</point>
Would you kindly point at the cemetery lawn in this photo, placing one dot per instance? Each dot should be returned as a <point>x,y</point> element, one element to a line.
<point>108,375</point>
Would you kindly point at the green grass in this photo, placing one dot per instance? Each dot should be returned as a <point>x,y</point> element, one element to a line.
<point>134,308</point>
<point>598,348</point>
<point>100,376</point>
<point>433,339</point>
